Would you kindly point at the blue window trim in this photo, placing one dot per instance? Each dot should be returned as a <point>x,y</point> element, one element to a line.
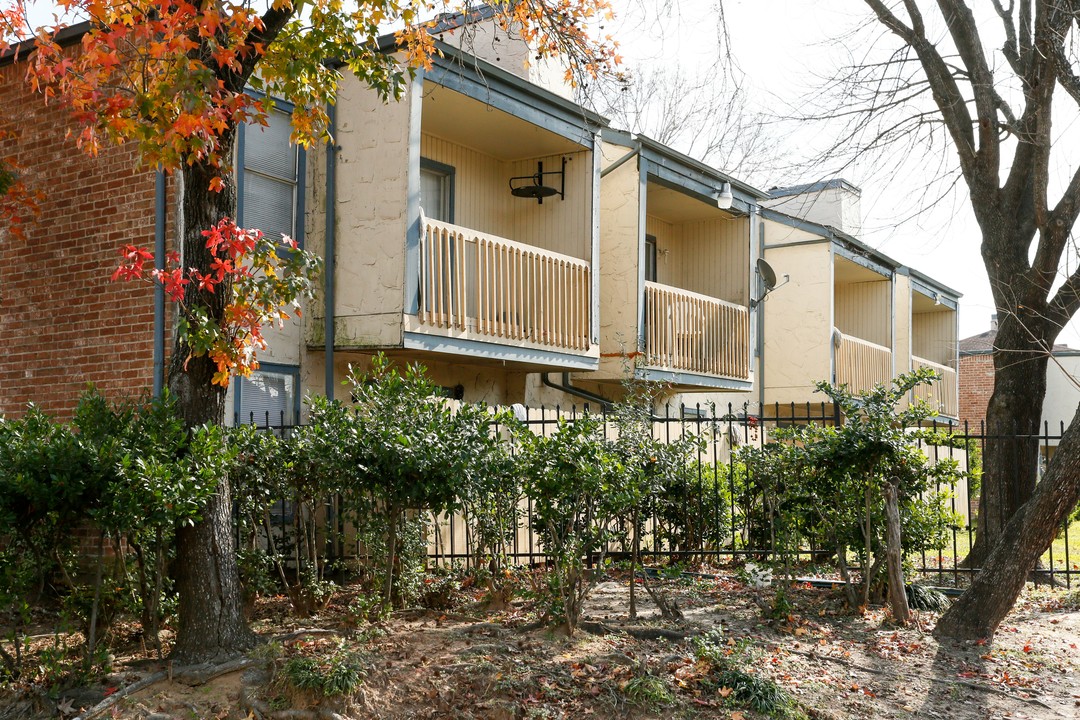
<point>278,369</point>
<point>451,173</point>
<point>300,192</point>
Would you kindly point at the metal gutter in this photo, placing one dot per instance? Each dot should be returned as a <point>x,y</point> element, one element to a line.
<point>663,151</point>
<point>330,249</point>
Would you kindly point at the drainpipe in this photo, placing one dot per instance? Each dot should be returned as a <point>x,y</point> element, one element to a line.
<point>159,289</point>
<point>569,389</point>
<point>330,250</point>
<point>605,404</point>
<point>760,309</point>
<point>618,163</point>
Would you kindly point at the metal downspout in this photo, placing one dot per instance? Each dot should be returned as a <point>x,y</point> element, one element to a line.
<point>569,389</point>
<point>760,309</point>
<point>330,249</point>
<point>618,163</point>
<point>159,289</point>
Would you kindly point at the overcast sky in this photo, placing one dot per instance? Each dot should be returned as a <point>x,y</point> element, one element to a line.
<point>783,49</point>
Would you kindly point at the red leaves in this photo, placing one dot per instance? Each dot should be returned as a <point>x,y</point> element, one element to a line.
<point>261,286</point>
<point>135,258</point>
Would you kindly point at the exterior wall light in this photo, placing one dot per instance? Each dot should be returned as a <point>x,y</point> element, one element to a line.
<point>724,199</point>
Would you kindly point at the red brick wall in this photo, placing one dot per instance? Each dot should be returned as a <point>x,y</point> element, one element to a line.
<point>976,385</point>
<point>63,323</point>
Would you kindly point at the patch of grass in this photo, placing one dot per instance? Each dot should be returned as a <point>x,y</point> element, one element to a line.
<point>649,691</point>
<point>758,693</point>
<point>336,674</point>
<point>736,685</point>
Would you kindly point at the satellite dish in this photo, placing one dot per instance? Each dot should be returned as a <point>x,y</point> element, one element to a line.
<point>768,279</point>
<point>768,275</point>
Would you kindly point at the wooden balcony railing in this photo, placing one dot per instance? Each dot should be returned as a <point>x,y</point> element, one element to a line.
<point>861,364</point>
<point>498,289</point>
<point>696,333</point>
<point>943,395</point>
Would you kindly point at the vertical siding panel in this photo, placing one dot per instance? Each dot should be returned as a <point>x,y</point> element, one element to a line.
<point>933,336</point>
<point>863,310</point>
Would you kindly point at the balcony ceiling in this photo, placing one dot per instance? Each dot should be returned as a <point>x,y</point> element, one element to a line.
<point>460,119</point>
<point>846,272</point>
<point>922,304</point>
<point>674,207</point>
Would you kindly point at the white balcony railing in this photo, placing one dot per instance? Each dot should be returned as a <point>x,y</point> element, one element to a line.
<point>943,395</point>
<point>861,364</point>
<point>696,333</point>
<point>497,289</point>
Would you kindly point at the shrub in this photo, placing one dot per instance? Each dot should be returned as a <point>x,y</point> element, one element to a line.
<point>569,478</point>
<point>828,483</point>
<point>401,448</point>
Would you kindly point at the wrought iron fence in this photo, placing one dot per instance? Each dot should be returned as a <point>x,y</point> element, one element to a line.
<point>713,515</point>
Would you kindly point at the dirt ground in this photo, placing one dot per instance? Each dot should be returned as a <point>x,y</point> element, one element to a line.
<point>462,663</point>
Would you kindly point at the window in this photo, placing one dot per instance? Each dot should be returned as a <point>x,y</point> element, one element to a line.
<point>437,190</point>
<point>269,397</point>
<point>271,191</point>
<point>650,258</point>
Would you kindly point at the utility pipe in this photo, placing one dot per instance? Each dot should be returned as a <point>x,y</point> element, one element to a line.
<point>330,249</point>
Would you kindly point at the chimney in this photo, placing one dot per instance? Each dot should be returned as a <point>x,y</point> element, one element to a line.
<point>834,203</point>
<point>993,323</point>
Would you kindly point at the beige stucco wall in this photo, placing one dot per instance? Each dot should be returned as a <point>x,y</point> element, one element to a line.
<point>835,207</point>
<point>619,293</point>
<point>487,41</point>
<point>781,234</point>
<point>372,194</point>
<point>902,333</point>
<point>1062,393</point>
<point>798,323</point>
<point>491,384</point>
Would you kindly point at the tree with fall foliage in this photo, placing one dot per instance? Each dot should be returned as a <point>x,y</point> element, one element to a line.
<point>176,77</point>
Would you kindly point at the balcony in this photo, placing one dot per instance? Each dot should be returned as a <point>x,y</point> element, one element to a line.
<point>482,287</point>
<point>943,394</point>
<point>689,332</point>
<point>861,364</point>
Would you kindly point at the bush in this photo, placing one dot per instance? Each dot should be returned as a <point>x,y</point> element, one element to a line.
<point>570,478</point>
<point>827,483</point>
<point>402,448</point>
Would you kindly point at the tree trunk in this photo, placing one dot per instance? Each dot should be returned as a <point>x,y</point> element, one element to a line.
<point>895,556</point>
<point>211,609</point>
<point>982,607</point>
<point>1011,462</point>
